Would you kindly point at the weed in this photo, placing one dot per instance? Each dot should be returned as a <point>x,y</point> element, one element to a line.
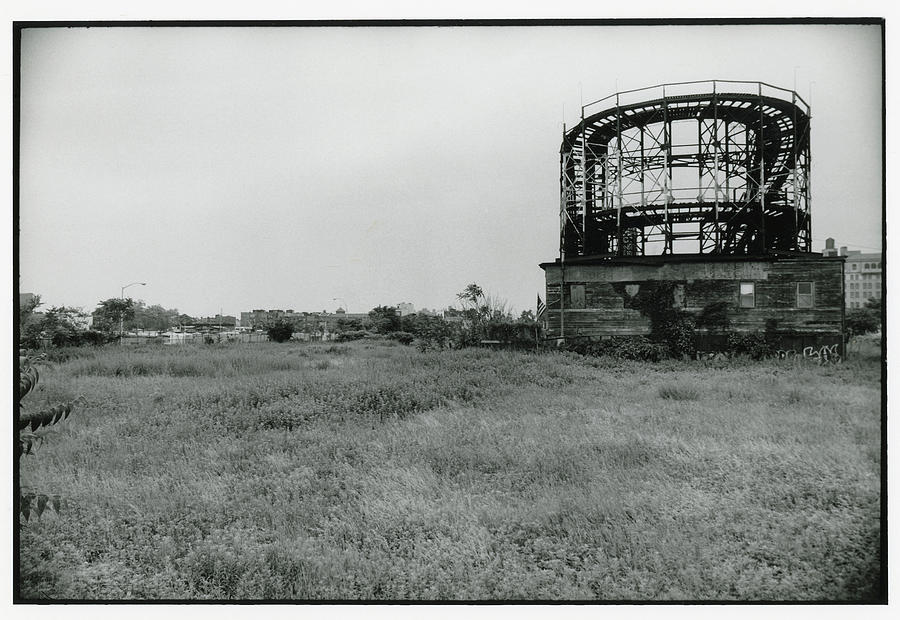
<point>370,470</point>
<point>679,392</point>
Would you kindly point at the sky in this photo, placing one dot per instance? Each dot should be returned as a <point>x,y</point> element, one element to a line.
<point>311,168</point>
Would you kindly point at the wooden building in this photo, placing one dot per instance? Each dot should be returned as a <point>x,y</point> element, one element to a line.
<point>796,300</point>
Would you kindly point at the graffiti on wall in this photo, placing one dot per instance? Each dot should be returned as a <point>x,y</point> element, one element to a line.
<point>826,354</point>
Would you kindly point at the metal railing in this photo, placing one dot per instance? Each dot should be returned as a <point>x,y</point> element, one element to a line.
<point>679,89</point>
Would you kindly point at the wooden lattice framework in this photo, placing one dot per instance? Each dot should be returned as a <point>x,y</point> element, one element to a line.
<point>717,167</point>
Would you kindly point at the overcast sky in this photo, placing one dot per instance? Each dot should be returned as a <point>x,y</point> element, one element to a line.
<point>240,168</point>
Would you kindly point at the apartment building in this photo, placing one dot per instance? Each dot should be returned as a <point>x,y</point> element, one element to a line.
<point>862,274</point>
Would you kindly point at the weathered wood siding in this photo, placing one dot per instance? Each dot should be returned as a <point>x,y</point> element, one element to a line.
<point>595,295</point>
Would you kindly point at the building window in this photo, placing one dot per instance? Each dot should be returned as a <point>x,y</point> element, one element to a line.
<point>805,294</point>
<point>576,292</point>
<point>853,266</point>
<point>748,295</point>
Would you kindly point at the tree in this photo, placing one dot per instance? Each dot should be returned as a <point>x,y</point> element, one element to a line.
<point>29,323</point>
<point>863,320</point>
<point>153,317</point>
<point>279,330</point>
<point>488,315</point>
<point>26,310</point>
<point>349,325</point>
<point>64,325</point>
<point>112,312</point>
<point>432,332</point>
<point>471,296</point>
<point>408,322</point>
<point>385,319</point>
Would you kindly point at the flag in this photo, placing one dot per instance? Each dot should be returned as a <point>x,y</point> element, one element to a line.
<point>540,307</point>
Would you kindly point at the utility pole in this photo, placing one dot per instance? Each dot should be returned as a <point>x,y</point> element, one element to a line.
<point>122,311</point>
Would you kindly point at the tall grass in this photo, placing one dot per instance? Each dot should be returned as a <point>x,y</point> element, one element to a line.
<point>370,471</point>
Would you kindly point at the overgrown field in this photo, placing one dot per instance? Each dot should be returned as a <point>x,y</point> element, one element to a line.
<point>371,471</point>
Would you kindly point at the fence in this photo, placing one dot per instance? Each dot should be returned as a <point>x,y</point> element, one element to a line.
<point>178,338</point>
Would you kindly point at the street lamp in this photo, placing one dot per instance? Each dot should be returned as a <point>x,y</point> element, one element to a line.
<point>122,312</point>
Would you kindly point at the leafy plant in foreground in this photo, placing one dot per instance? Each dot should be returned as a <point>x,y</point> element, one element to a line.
<point>32,426</point>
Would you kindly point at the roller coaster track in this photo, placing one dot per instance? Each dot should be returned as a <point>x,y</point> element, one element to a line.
<point>750,196</point>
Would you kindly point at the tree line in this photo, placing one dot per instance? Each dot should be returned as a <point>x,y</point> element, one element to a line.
<point>481,317</point>
<point>68,326</point>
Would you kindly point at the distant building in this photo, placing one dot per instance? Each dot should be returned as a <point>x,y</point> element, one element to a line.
<point>83,322</point>
<point>405,308</point>
<point>452,315</point>
<point>312,325</point>
<point>25,299</point>
<point>862,277</point>
<point>217,321</point>
<point>862,274</point>
<point>254,319</point>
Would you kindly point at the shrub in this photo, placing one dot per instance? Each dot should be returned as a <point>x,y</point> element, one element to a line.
<point>668,324</point>
<point>863,320</point>
<point>622,347</point>
<point>384,319</point>
<point>754,345</point>
<point>347,336</point>
<point>93,338</point>
<point>402,337</point>
<point>678,333</point>
<point>432,332</point>
<point>64,338</point>
<point>280,330</point>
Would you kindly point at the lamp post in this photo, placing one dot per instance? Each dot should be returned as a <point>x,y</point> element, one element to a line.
<point>122,312</point>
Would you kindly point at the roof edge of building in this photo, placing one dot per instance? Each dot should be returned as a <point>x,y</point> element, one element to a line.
<point>686,258</point>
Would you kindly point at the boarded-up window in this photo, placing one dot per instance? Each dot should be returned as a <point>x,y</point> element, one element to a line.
<point>678,296</point>
<point>748,295</point>
<point>805,294</point>
<point>577,293</point>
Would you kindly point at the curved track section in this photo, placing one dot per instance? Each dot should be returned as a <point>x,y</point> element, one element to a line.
<point>718,171</point>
